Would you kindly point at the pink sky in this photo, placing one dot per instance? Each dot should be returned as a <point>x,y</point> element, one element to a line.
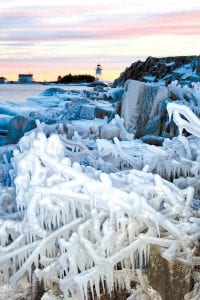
<point>50,38</point>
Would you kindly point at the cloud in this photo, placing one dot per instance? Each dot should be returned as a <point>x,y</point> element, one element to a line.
<point>53,11</point>
<point>70,59</point>
<point>187,23</point>
<point>14,22</point>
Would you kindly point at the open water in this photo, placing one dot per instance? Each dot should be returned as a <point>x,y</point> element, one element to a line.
<point>21,92</point>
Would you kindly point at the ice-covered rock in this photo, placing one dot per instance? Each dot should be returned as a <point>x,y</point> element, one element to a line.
<point>141,103</point>
<point>87,111</point>
<point>53,91</point>
<point>116,93</point>
<point>15,129</point>
<point>153,140</point>
<point>18,126</point>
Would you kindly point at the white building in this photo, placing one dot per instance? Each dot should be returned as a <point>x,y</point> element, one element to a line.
<point>25,78</point>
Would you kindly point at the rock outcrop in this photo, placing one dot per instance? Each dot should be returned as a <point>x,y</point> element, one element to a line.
<point>141,107</point>
<point>185,69</point>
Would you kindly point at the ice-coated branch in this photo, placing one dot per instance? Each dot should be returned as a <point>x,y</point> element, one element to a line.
<point>192,122</point>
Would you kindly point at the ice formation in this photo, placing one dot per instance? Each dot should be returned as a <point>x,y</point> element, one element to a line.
<point>190,122</point>
<point>141,101</point>
<point>73,215</point>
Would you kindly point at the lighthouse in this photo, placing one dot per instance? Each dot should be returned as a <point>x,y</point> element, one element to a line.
<point>99,72</point>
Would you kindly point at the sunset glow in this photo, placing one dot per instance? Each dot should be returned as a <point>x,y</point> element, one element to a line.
<point>50,38</point>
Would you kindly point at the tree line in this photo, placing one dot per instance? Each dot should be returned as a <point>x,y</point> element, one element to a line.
<point>75,78</point>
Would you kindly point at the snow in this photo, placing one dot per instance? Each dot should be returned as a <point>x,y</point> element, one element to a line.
<point>50,296</point>
<point>185,71</point>
<point>169,64</point>
<point>149,78</point>
<point>81,197</point>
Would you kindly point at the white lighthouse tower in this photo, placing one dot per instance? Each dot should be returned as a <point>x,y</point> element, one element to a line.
<point>99,72</point>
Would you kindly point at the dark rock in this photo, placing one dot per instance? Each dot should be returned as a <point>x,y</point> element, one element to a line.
<point>102,113</point>
<point>153,140</point>
<point>160,68</point>
<point>99,84</point>
<point>118,108</point>
<point>172,280</point>
<point>198,67</point>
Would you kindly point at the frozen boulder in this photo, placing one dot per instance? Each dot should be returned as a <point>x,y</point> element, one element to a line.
<point>140,103</point>
<point>87,112</point>
<point>15,129</point>
<point>153,140</point>
<point>52,92</point>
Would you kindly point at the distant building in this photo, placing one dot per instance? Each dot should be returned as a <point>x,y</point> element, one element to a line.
<point>2,79</point>
<point>99,72</point>
<point>25,78</point>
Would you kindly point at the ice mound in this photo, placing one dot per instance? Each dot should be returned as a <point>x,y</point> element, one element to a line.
<point>53,91</point>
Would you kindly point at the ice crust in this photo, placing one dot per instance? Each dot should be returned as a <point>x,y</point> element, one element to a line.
<point>83,211</point>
